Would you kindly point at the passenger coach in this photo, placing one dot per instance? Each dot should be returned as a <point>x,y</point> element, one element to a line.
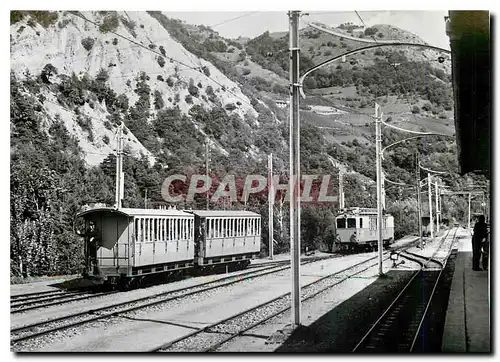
<point>125,245</point>
<point>226,236</point>
<point>129,242</point>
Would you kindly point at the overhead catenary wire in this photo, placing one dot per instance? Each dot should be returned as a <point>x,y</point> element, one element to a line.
<point>432,171</point>
<point>232,19</point>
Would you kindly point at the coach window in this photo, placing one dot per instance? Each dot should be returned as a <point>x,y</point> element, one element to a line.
<point>361,222</point>
<point>258,227</point>
<point>137,230</point>
<point>151,230</point>
<point>351,223</point>
<point>143,229</point>
<point>160,229</point>
<point>164,234</point>
<point>165,230</point>
<point>341,223</point>
<point>157,229</point>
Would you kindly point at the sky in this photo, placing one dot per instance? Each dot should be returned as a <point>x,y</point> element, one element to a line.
<point>429,25</point>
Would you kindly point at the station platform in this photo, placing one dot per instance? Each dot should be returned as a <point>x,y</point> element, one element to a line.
<point>468,317</point>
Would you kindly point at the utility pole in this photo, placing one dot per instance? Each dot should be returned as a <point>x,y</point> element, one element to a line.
<point>438,212</point>
<point>429,182</point>
<point>294,183</point>
<point>341,190</point>
<point>270,193</point>
<point>419,200</point>
<point>378,147</point>
<point>206,164</point>
<point>119,169</point>
<point>146,199</point>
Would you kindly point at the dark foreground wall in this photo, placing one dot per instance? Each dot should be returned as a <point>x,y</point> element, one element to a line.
<point>469,33</point>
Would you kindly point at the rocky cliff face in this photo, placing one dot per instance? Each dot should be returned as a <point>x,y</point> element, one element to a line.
<point>124,44</point>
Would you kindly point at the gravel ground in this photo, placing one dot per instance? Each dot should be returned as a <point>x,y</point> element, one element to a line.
<point>47,284</point>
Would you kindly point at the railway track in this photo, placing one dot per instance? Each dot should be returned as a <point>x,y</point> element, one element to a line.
<point>40,329</point>
<point>47,300</point>
<point>212,337</point>
<point>399,326</point>
<point>31,301</point>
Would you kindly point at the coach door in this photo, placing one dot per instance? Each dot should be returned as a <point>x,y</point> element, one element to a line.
<point>113,250</point>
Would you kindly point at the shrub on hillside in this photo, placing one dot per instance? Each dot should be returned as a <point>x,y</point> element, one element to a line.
<point>162,50</point>
<point>192,89</point>
<point>88,43</point>
<point>109,23</point>
<point>371,31</point>
<point>206,70</point>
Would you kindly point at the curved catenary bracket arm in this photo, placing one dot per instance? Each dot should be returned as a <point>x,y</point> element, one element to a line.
<point>359,50</point>
<point>398,142</point>
<point>395,183</point>
<point>432,171</point>
<point>415,132</point>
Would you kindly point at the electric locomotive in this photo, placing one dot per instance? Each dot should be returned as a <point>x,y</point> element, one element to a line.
<point>356,230</point>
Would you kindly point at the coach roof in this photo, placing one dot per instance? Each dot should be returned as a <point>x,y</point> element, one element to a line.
<point>137,212</point>
<point>224,213</point>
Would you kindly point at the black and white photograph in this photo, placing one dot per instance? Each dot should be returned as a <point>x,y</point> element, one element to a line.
<point>295,181</point>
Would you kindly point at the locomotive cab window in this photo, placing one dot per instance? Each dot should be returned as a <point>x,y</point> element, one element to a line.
<point>361,222</point>
<point>341,223</point>
<point>351,223</point>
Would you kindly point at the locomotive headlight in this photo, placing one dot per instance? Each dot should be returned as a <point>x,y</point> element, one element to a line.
<point>394,256</point>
